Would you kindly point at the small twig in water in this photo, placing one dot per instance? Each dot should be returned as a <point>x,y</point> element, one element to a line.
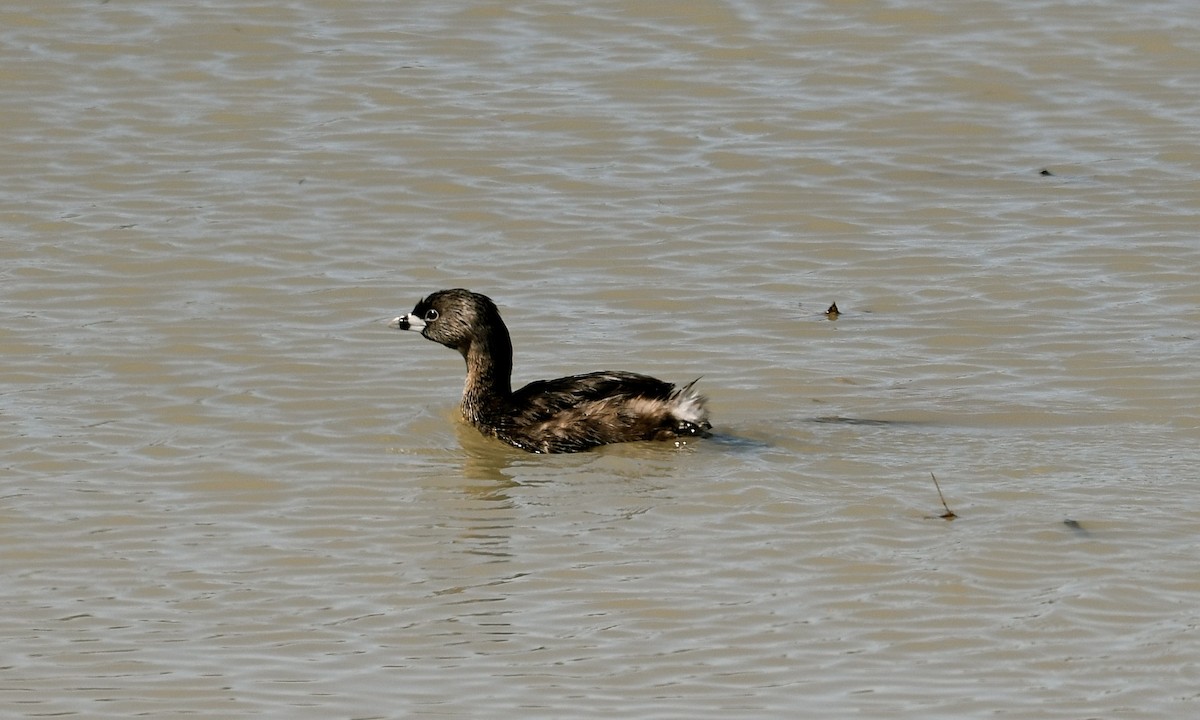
<point>949,514</point>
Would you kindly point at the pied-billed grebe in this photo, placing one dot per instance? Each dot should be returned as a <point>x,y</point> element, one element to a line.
<point>549,416</point>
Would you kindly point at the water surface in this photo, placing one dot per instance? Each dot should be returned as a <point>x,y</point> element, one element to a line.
<point>230,491</point>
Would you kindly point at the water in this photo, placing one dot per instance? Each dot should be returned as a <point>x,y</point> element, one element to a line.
<point>230,491</point>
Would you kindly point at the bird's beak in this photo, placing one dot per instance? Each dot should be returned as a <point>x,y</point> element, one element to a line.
<point>407,322</point>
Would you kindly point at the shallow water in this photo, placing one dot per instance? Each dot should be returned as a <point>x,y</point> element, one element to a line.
<point>229,490</point>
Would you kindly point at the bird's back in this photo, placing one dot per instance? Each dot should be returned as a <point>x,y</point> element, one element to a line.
<point>582,411</point>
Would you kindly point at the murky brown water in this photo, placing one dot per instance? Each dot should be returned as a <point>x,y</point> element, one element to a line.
<point>230,491</point>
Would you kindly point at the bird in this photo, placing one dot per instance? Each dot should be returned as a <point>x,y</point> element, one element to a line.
<point>564,415</point>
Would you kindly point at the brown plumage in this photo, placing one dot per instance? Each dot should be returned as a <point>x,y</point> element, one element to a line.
<point>549,416</point>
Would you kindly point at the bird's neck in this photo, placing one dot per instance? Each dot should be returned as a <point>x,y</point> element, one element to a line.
<point>489,375</point>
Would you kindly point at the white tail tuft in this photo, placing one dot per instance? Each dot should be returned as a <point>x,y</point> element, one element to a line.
<point>688,406</point>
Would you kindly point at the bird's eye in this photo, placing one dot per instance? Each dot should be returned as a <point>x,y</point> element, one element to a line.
<point>431,315</point>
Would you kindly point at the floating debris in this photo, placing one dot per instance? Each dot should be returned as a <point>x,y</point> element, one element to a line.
<point>949,514</point>
<point>1046,173</point>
